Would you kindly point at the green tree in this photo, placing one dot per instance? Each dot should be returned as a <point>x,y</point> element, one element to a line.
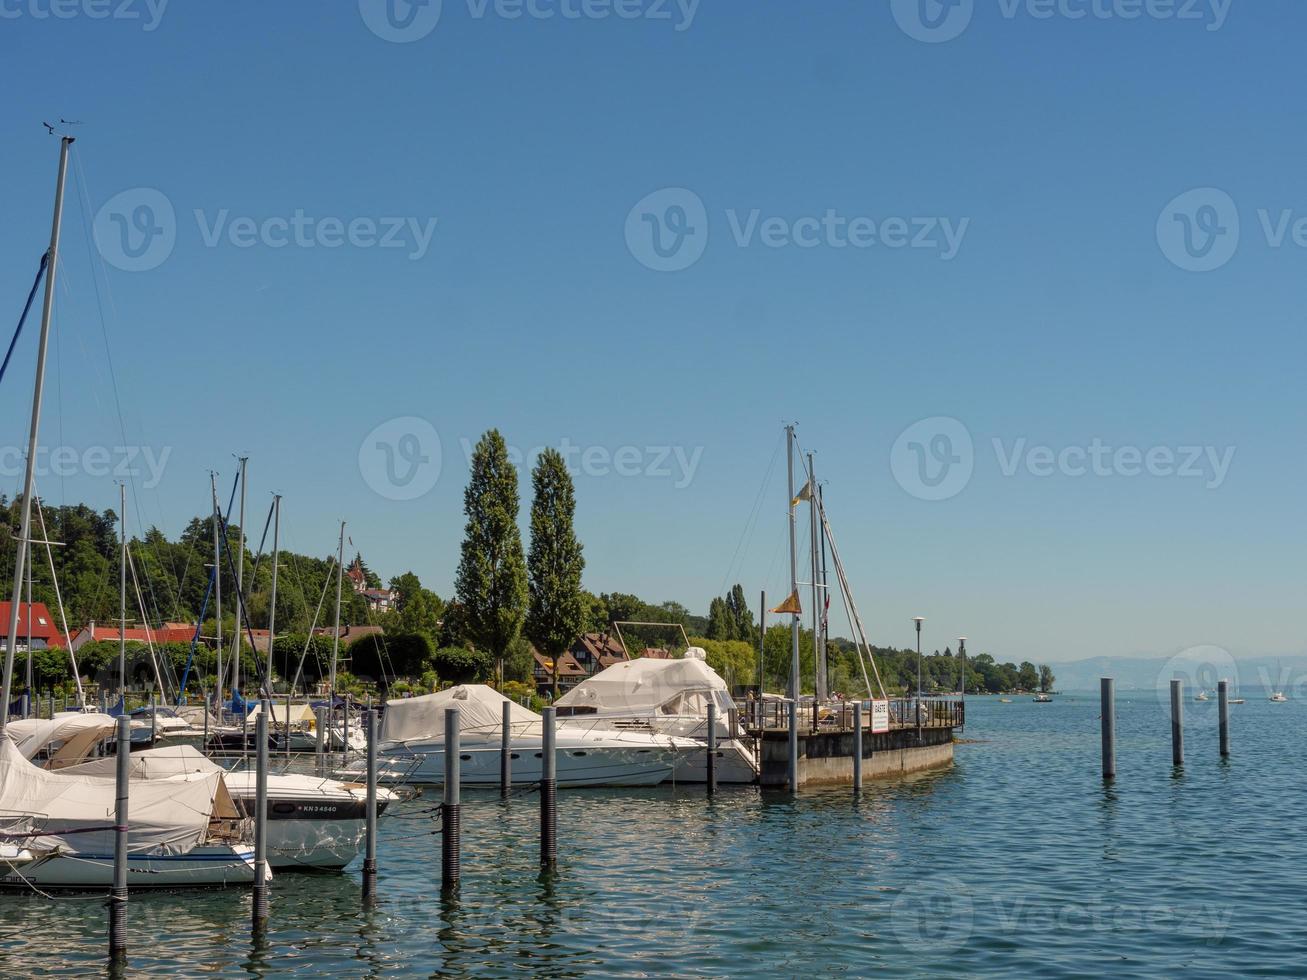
<point>461,665</point>
<point>1046,678</point>
<point>1027,676</point>
<point>491,580</point>
<point>557,611</point>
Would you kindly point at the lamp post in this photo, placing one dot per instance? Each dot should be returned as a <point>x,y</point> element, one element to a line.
<point>918,620</point>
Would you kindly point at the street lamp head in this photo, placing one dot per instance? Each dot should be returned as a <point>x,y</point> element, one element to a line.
<point>918,620</point>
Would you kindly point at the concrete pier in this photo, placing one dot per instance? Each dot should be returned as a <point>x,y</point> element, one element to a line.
<point>826,758</point>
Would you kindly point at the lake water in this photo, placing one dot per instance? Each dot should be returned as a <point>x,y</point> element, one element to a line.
<point>1016,862</point>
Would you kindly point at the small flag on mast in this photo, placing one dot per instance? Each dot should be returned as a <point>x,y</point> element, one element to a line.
<point>790,605</point>
<point>804,494</point>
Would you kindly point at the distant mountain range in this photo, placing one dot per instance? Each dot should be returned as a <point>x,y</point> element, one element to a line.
<point>1200,668</point>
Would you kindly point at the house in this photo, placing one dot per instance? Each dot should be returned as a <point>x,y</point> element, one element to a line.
<point>570,673</point>
<point>168,633</point>
<point>45,634</point>
<point>596,651</point>
<point>378,600</point>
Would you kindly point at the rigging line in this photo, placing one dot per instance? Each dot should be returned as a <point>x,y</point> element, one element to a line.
<point>92,254</point>
<point>59,600</point>
<point>149,643</point>
<point>751,521</point>
<point>40,273</point>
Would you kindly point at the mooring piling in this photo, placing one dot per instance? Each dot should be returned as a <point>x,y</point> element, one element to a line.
<point>857,747</point>
<point>320,748</point>
<point>506,750</point>
<point>794,745</point>
<point>1107,694</point>
<point>712,747</point>
<point>451,811</point>
<point>154,721</point>
<point>548,793</point>
<point>261,820</point>
<point>1223,707</point>
<point>118,897</point>
<point>1177,722</point>
<point>370,851</point>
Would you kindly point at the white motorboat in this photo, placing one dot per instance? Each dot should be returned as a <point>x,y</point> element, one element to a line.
<point>414,729</point>
<point>57,830</point>
<point>664,697</point>
<point>1201,696</point>
<point>1277,696</point>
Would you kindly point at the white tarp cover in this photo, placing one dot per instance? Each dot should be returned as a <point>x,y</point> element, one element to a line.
<point>77,731</point>
<point>165,817</point>
<point>300,714</point>
<point>171,760</point>
<point>479,709</point>
<point>648,686</point>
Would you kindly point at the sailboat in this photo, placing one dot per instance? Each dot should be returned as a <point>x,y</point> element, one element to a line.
<point>1277,695</point>
<point>1201,696</point>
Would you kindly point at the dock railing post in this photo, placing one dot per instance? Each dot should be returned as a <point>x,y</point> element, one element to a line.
<point>793,770</point>
<point>261,821</point>
<point>1177,722</point>
<point>118,897</point>
<point>370,850</point>
<point>506,750</point>
<point>451,811</point>
<point>1107,694</point>
<point>548,793</point>
<point>857,747</point>
<point>712,749</point>
<point>154,721</point>
<point>1223,707</point>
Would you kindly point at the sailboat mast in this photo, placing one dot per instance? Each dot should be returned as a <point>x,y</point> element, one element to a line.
<point>27,698</point>
<point>43,345</point>
<point>824,619</point>
<point>240,594</point>
<point>217,589</point>
<point>819,678</point>
<point>272,605</point>
<point>335,636</point>
<point>794,566</point>
<point>122,594</point>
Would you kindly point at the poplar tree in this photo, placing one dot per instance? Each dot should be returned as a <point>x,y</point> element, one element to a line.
<point>558,608</point>
<point>491,580</point>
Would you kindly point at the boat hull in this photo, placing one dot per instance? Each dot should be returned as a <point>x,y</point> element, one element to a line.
<point>578,762</point>
<point>207,866</point>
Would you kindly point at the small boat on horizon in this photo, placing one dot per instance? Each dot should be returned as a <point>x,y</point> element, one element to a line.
<point>1043,699</point>
<point>1277,696</point>
<point>1201,696</point>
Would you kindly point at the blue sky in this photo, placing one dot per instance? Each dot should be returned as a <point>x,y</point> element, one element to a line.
<point>1065,313</point>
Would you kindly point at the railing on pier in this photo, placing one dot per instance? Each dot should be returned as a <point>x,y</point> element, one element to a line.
<point>837,716</point>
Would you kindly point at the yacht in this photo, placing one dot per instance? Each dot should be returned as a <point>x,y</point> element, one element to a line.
<point>414,729</point>
<point>664,697</point>
<point>1043,699</point>
<point>1277,696</point>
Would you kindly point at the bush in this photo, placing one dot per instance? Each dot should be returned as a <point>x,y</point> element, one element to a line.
<point>460,665</point>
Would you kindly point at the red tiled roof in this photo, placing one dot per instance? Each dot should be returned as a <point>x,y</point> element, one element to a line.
<point>43,624</point>
<point>141,634</point>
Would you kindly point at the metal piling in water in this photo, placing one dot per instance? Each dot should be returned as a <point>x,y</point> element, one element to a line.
<point>118,896</point>
<point>712,748</point>
<point>1177,722</point>
<point>261,822</point>
<point>1223,707</point>
<point>1107,695</point>
<point>857,747</point>
<point>794,745</point>
<point>548,793</point>
<point>505,751</point>
<point>451,809</point>
<point>320,748</point>
<point>370,851</point>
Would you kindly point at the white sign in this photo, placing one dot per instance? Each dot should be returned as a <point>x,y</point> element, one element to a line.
<point>879,716</point>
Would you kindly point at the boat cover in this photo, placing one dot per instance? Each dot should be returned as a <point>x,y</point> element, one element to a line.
<point>647,686</point>
<point>479,709</point>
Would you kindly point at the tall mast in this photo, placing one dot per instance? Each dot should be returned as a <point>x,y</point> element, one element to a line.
<point>819,678</point>
<point>825,596</point>
<point>27,682</point>
<point>217,588</point>
<point>122,594</point>
<point>43,345</point>
<point>335,638</point>
<point>795,689</point>
<point>272,605</point>
<point>240,594</point>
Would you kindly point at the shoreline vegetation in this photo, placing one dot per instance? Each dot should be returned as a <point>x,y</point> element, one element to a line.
<point>508,604</point>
